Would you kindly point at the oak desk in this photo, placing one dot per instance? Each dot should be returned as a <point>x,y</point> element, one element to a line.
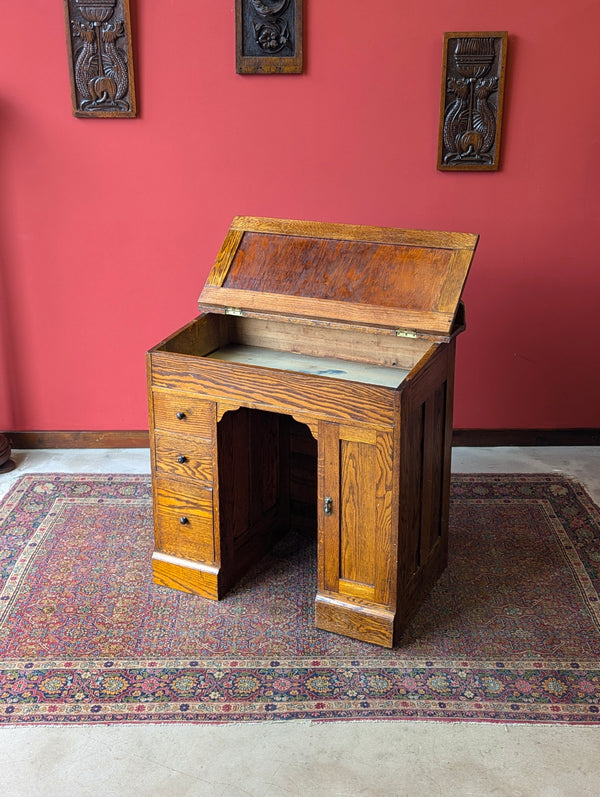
<point>317,382</point>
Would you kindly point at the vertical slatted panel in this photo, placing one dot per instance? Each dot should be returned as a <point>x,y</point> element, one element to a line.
<point>433,450</point>
<point>303,477</point>
<point>440,416</point>
<point>417,477</point>
<point>426,481</point>
<point>253,480</point>
<point>385,547</point>
<point>234,475</point>
<point>263,474</point>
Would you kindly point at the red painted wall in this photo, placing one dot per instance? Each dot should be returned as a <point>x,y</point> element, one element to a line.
<point>109,227</point>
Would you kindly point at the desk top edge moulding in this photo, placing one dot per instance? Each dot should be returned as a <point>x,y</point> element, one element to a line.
<point>268,37</point>
<point>314,393</point>
<point>100,50</point>
<point>472,98</point>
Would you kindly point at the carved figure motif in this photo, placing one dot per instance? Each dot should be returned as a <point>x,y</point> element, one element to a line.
<point>271,32</point>
<point>470,123</point>
<point>470,127</point>
<point>100,58</point>
<point>268,37</point>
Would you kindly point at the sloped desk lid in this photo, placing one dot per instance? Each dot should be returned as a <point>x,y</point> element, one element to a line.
<point>379,276</point>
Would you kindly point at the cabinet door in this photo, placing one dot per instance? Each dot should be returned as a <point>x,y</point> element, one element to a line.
<point>356,554</point>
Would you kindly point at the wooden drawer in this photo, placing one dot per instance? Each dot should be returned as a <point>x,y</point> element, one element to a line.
<point>179,455</point>
<point>184,520</point>
<point>183,414</point>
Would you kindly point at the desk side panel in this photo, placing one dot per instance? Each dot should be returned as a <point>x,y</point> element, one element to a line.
<point>425,461</point>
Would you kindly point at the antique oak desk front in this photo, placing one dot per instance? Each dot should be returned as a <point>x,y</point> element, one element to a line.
<point>338,334</point>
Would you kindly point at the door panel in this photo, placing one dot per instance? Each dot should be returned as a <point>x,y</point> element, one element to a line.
<point>355,513</point>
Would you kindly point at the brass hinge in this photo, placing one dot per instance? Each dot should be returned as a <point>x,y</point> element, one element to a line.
<point>406,333</point>
<point>233,311</point>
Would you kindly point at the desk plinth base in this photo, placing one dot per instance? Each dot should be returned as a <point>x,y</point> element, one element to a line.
<point>181,574</point>
<point>367,623</point>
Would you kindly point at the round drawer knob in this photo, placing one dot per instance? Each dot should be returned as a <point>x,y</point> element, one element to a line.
<point>180,416</point>
<point>183,521</point>
<point>181,459</point>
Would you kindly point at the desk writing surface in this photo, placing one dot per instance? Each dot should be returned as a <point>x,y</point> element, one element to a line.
<point>367,373</point>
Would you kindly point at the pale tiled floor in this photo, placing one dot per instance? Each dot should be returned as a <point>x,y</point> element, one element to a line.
<point>298,758</point>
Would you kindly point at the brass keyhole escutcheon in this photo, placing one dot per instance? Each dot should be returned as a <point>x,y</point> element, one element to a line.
<point>328,506</point>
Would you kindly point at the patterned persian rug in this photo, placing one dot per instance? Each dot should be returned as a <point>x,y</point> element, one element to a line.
<point>511,632</point>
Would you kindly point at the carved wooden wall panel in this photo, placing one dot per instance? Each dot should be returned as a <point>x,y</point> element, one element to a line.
<point>100,57</point>
<point>473,70</point>
<point>268,36</point>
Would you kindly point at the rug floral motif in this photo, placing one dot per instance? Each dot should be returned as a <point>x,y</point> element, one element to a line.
<point>511,632</point>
